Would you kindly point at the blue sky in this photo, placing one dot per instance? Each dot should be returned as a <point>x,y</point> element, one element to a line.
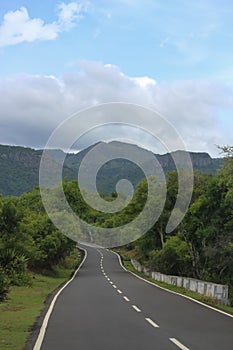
<point>59,57</point>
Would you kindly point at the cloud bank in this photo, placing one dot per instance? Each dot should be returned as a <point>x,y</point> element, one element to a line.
<point>32,106</point>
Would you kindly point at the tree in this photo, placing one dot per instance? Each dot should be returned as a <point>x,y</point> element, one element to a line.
<point>173,259</point>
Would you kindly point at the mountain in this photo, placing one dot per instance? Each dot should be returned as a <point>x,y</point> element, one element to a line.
<point>19,169</point>
<point>19,166</point>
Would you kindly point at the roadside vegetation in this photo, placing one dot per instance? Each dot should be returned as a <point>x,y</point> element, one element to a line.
<point>202,245</point>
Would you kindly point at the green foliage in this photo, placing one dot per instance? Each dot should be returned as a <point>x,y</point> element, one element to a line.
<point>202,245</point>
<point>28,240</point>
<point>173,259</point>
<point>14,265</point>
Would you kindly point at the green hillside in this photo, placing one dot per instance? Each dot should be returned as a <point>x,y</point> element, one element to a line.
<point>19,167</point>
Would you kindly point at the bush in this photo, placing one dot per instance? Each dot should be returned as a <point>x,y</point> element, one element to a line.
<point>14,266</point>
<point>173,259</point>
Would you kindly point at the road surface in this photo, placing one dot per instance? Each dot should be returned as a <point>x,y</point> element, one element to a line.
<point>105,307</point>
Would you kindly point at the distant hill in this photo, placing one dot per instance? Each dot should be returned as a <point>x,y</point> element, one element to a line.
<point>19,167</point>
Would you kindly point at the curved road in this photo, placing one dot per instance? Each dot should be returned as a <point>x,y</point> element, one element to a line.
<point>105,307</point>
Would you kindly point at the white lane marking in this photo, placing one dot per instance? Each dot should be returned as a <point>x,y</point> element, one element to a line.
<point>44,325</point>
<point>127,299</point>
<point>110,282</point>
<point>171,291</point>
<point>114,286</point>
<point>136,308</point>
<point>179,344</point>
<point>155,325</point>
<point>119,291</point>
<point>108,279</point>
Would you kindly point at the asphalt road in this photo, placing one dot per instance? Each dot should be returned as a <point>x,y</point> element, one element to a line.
<point>105,307</point>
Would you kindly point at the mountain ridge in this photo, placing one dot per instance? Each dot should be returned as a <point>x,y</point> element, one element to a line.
<point>20,167</point>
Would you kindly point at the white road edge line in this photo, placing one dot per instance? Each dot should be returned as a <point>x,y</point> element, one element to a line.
<point>179,344</point>
<point>152,323</point>
<point>171,291</point>
<point>136,308</point>
<point>43,327</point>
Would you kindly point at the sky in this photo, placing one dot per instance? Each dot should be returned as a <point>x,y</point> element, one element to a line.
<point>173,56</point>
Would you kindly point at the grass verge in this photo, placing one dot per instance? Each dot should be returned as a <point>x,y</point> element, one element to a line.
<point>24,304</point>
<point>202,298</point>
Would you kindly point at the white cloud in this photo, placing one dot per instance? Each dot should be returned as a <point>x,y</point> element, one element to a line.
<point>32,106</point>
<point>18,27</point>
<point>69,13</point>
<point>144,82</point>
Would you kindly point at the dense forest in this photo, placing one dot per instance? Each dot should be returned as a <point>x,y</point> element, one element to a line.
<point>201,246</point>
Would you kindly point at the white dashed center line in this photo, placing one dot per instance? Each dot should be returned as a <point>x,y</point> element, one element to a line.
<point>119,291</point>
<point>136,308</point>
<point>177,343</point>
<point>127,299</point>
<point>153,324</point>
